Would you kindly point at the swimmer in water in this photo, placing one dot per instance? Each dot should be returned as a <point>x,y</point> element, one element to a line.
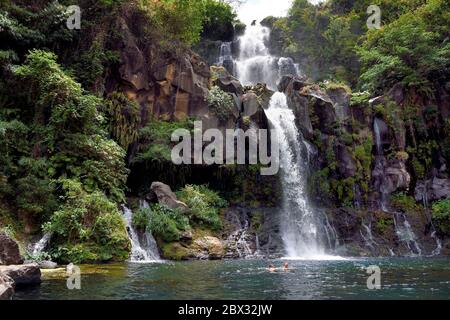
<point>286,266</point>
<point>271,268</point>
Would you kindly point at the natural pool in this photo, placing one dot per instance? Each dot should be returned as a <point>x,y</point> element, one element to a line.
<point>402,278</point>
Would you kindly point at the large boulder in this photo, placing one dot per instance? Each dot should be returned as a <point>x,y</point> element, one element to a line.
<point>166,197</point>
<point>432,190</point>
<point>390,176</point>
<point>9,251</point>
<point>6,287</point>
<point>208,247</point>
<point>23,275</point>
<point>229,84</point>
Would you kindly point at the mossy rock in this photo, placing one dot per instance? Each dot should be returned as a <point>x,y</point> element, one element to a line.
<point>175,251</point>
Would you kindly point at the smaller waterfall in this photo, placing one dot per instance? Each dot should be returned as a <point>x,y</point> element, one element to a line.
<point>368,237</point>
<point>41,245</point>
<point>239,241</point>
<point>377,131</point>
<point>380,163</point>
<point>438,250</point>
<point>332,237</point>
<point>144,248</point>
<point>406,235</point>
<point>226,57</point>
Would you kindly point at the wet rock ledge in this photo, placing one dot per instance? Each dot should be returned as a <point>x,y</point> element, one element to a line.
<point>13,273</point>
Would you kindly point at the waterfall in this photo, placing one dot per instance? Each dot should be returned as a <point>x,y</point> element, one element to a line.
<point>144,247</point>
<point>406,235</point>
<point>377,131</point>
<point>255,64</point>
<point>41,245</point>
<point>368,237</point>
<point>300,231</point>
<point>438,250</point>
<point>226,57</point>
<point>302,228</point>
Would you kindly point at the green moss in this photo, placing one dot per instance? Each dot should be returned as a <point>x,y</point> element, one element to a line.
<point>405,203</point>
<point>384,224</point>
<point>174,251</point>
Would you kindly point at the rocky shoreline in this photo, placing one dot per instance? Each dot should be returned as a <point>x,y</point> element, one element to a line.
<point>13,273</point>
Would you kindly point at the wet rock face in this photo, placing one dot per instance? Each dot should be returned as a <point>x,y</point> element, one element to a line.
<point>390,176</point>
<point>9,251</point>
<point>341,100</point>
<point>432,190</point>
<point>346,163</point>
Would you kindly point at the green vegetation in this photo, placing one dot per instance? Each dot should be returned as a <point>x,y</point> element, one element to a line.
<point>141,219</point>
<point>220,103</point>
<point>155,140</point>
<point>88,227</point>
<point>441,217</point>
<point>168,224</point>
<point>204,205</point>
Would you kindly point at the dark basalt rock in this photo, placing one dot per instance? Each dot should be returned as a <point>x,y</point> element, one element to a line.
<point>432,190</point>
<point>9,251</point>
<point>23,275</point>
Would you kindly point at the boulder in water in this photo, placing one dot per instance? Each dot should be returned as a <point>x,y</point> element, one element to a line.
<point>9,250</point>
<point>208,248</point>
<point>47,265</point>
<point>6,287</point>
<point>23,275</point>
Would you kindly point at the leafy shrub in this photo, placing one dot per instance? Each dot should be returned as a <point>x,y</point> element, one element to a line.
<point>167,224</point>
<point>177,19</point>
<point>204,204</point>
<point>124,118</point>
<point>441,216</point>
<point>404,202</point>
<point>87,220</point>
<point>155,140</point>
<point>141,218</point>
<point>220,103</point>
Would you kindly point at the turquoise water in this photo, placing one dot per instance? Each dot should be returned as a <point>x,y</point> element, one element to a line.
<point>401,278</point>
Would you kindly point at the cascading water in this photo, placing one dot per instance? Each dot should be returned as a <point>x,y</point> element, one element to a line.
<point>303,230</point>
<point>368,237</point>
<point>380,162</point>
<point>226,57</point>
<point>300,226</point>
<point>406,235</point>
<point>41,245</point>
<point>144,248</point>
<point>255,64</point>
